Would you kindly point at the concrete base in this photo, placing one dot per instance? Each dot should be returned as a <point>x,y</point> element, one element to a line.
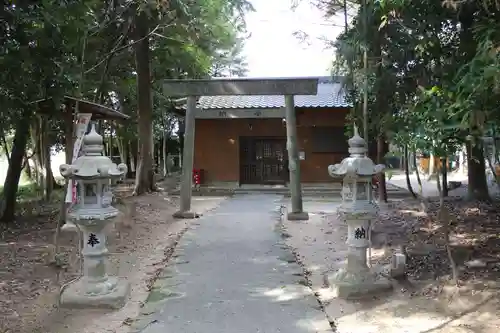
<point>186,215</point>
<point>398,265</point>
<point>69,226</point>
<point>297,216</point>
<point>350,285</point>
<point>74,296</point>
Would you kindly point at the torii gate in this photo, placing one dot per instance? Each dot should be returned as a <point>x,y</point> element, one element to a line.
<point>192,89</point>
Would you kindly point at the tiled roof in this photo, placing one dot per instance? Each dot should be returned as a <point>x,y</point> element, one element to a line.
<point>330,94</point>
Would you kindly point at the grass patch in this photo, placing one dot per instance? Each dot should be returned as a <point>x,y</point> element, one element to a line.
<point>31,191</point>
<point>25,191</point>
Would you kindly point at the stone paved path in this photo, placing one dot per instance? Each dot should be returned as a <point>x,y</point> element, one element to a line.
<point>232,273</point>
<point>429,187</point>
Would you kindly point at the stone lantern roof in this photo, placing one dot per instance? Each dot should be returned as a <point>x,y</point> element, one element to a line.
<point>93,164</point>
<point>358,164</point>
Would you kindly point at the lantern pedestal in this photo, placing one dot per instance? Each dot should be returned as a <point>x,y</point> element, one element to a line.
<point>357,210</point>
<point>358,283</point>
<point>356,278</point>
<point>75,295</point>
<point>95,288</point>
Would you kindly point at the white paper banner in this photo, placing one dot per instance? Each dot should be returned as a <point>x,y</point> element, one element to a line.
<point>82,122</point>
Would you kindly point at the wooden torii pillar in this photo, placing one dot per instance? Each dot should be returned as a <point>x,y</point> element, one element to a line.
<point>192,89</point>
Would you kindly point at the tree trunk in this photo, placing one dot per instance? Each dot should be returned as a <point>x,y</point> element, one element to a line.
<point>493,172</point>
<point>111,141</point>
<point>37,152</point>
<point>380,160</point>
<point>144,178</point>
<point>444,173</point>
<point>407,171</point>
<point>432,163</point>
<point>47,168</point>
<point>411,166</point>
<point>164,141</point>
<point>402,161</point>
<point>166,172</point>
<point>443,217</point>
<point>417,174</point>
<point>133,155</point>
<point>122,151</point>
<point>462,159</point>
<point>153,154</point>
<point>128,159</point>
<point>11,183</point>
<point>27,168</point>
<point>476,172</point>
<point>381,105</point>
<point>159,163</point>
<point>41,157</point>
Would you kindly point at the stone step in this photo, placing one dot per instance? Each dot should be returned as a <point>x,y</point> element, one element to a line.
<point>320,191</point>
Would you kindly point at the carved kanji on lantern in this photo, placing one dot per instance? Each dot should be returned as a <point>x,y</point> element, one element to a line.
<point>360,233</point>
<point>93,241</point>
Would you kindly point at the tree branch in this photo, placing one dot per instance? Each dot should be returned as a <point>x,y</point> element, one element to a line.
<point>118,49</point>
<point>108,58</point>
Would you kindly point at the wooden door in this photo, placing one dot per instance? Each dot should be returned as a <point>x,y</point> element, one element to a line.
<point>263,161</point>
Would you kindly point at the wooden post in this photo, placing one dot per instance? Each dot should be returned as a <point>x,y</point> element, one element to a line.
<point>187,165</point>
<point>297,212</point>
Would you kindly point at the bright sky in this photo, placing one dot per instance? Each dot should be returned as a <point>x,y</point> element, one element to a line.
<point>273,50</point>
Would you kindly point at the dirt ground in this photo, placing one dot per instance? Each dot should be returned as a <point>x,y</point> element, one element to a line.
<point>141,239</point>
<point>425,301</point>
<point>140,242</point>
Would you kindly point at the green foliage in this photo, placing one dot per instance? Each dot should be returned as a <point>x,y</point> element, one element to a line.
<point>44,44</point>
<point>85,48</point>
<point>434,69</point>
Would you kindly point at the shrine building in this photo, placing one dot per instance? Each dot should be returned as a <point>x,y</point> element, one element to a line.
<point>241,140</point>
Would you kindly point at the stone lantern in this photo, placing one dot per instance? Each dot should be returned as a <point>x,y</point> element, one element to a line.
<point>94,174</point>
<point>357,209</point>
